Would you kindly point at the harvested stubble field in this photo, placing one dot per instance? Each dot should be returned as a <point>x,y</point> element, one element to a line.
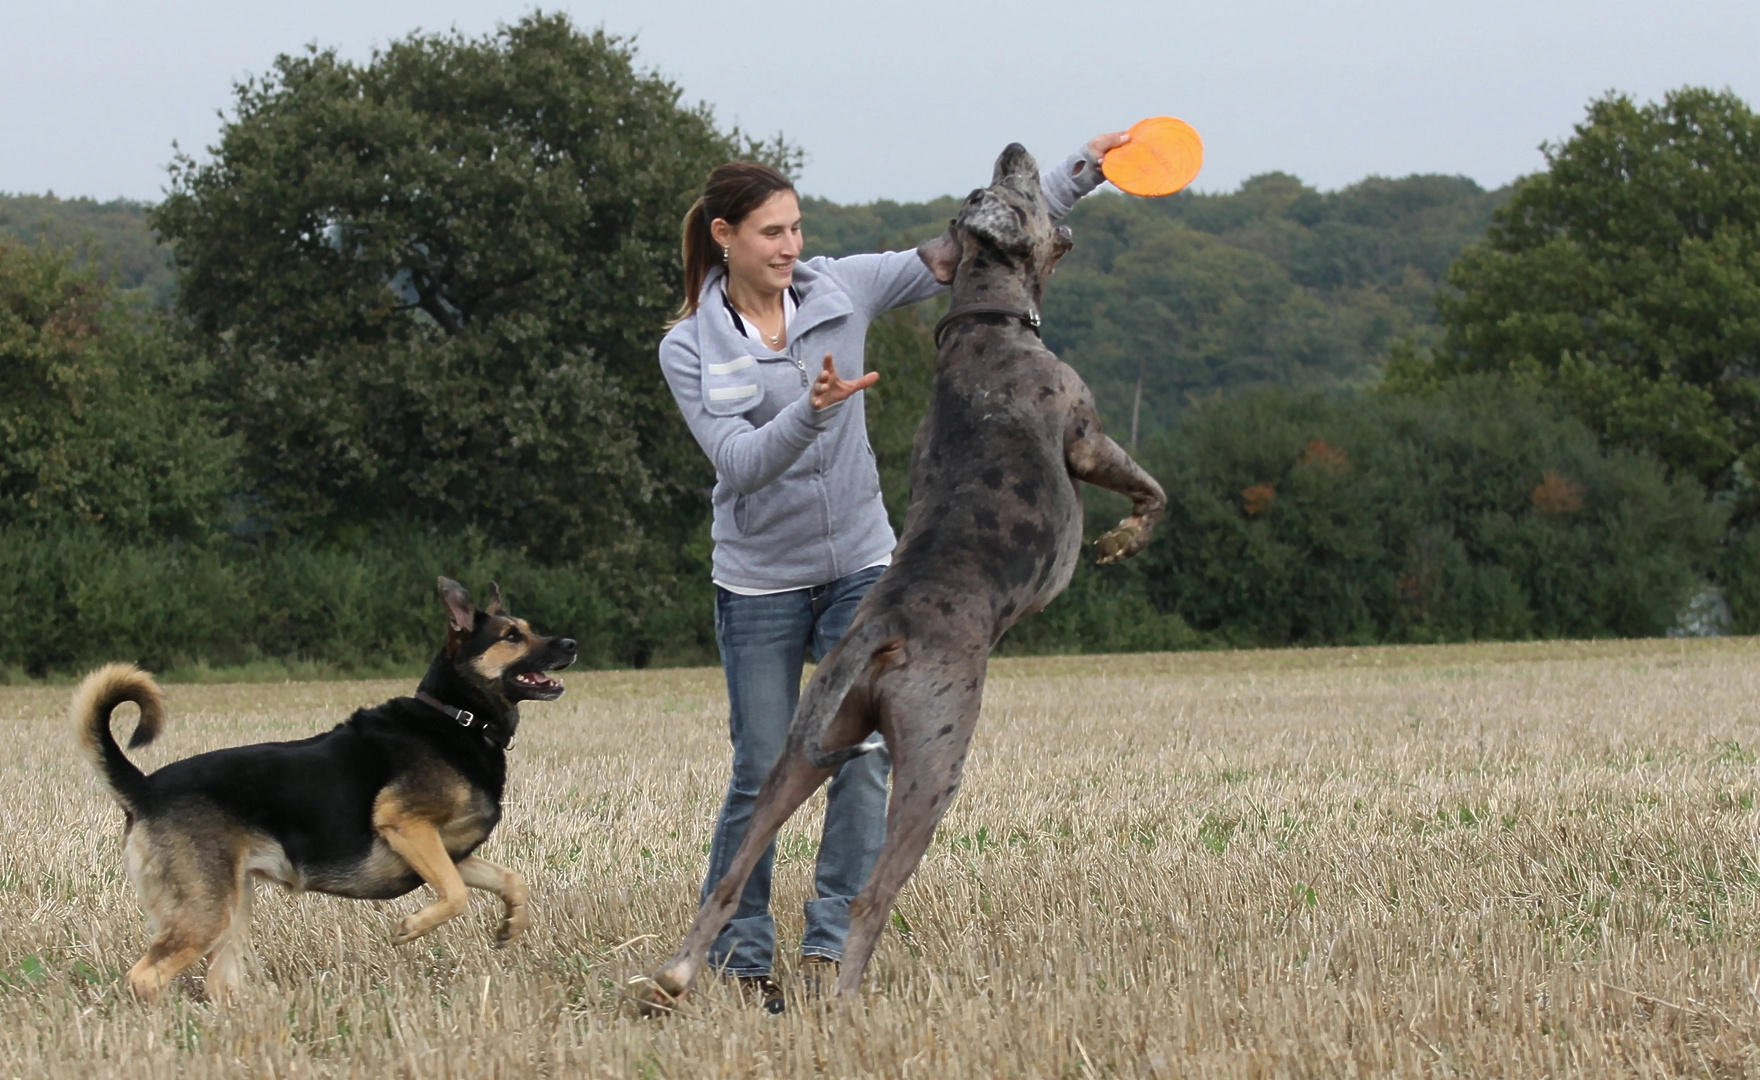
<point>1479,860</point>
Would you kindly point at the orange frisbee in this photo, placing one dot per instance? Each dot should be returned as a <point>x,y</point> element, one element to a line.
<point>1164,155</point>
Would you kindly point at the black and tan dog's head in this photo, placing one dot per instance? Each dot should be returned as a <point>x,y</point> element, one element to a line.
<point>500,654</point>
<point>1005,226</point>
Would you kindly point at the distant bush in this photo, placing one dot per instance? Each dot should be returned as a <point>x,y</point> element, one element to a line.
<point>1478,512</point>
<point>1739,575</point>
<point>1106,609</point>
<point>71,597</point>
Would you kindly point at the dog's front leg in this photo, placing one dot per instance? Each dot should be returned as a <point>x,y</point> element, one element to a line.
<point>418,842</point>
<point>1094,458</point>
<point>509,886</point>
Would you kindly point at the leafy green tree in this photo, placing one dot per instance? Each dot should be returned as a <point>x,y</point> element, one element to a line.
<point>433,285</point>
<point>901,347</point>
<point>1626,278</point>
<point>1473,513</point>
<point>1183,314</point>
<point>113,237</point>
<point>100,418</point>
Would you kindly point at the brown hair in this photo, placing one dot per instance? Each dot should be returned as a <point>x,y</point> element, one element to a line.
<point>732,191</point>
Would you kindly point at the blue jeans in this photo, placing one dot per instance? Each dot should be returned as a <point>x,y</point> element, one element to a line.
<point>764,642</point>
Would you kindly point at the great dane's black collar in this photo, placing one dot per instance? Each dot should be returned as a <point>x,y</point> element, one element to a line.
<point>1028,318</point>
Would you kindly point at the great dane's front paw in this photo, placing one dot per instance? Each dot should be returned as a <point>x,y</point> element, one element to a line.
<point>512,926</point>
<point>1125,540</point>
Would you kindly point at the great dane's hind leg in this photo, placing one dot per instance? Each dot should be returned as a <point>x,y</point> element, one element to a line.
<point>928,756</point>
<point>1094,458</point>
<point>509,886</point>
<point>790,782</point>
<point>418,842</point>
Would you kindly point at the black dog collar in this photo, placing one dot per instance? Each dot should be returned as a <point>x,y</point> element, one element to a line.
<point>465,719</point>
<point>1029,318</point>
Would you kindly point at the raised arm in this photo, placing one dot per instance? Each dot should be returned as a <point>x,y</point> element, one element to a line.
<point>1078,174</point>
<point>878,283</point>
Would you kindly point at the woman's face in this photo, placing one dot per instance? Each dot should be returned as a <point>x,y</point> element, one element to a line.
<point>762,249</point>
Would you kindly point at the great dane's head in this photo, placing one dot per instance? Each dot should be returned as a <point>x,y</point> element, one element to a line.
<point>1001,229</point>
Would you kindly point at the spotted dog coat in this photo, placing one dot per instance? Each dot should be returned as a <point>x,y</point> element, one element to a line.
<point>394,797</point>
<point>992,534</point>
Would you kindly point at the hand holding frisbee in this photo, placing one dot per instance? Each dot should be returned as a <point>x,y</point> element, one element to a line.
<point>1162,156</point>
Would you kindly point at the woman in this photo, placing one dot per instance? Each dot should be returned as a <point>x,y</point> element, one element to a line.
<point>800,530</point>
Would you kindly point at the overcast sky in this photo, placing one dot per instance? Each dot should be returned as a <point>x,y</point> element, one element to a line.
<point>913,98</point>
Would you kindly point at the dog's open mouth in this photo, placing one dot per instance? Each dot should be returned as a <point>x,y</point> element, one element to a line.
<point>538,684</point>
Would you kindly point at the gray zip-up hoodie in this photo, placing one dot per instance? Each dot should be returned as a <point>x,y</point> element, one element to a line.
<point>797,494</point>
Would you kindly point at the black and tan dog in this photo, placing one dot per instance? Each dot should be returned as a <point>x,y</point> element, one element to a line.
<point>393,797</point>
<point>992,534</point>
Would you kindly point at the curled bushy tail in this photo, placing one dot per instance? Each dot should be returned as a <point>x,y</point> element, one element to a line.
<point>94,701</point>
<point>862,652</point>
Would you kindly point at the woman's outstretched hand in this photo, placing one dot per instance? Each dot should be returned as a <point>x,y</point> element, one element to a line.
<point>1112,140</point>
<point>829,389</point>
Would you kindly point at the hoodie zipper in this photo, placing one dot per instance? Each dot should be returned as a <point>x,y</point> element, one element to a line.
<point>740,326</point>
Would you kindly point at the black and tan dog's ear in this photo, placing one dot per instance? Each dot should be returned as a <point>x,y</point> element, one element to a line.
<point>941,255</point>
<point>461,613</point>
<point>494,606</point>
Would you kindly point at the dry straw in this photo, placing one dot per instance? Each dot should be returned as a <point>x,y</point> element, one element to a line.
<point>1482,860</point>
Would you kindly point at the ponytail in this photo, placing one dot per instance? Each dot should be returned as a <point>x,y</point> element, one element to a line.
<point>732,191</point>
<point>696,245</point>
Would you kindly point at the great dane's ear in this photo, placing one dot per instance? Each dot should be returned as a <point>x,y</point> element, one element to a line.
<point>461,613</point>
<point>1015,165</point>
<point>1061,241</point>
<point>493,607</point>
<point>1000,223</point>
<point>941,255</point>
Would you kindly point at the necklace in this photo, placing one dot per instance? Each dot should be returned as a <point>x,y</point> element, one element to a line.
<point>774,340</point>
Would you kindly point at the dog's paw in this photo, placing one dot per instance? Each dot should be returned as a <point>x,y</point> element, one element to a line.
<point>1124,540</point>
<point>224,995</point>
<point>407,930</point>
<point>145,983</point>
<point>512,926</point>
<point>656,995</point>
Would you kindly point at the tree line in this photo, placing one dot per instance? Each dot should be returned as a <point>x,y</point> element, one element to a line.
<point>412,331</point>
<point>1168,302</point>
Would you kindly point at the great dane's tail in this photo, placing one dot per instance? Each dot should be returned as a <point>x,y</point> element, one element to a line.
<point>867,650</point>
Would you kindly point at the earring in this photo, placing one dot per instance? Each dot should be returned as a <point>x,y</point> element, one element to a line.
<point>723,256</point>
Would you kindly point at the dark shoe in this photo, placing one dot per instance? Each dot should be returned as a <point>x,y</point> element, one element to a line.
<point>818,975</point>
<point>763,990</point>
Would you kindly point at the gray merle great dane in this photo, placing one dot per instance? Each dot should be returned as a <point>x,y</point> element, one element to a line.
<point>993,533</point>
